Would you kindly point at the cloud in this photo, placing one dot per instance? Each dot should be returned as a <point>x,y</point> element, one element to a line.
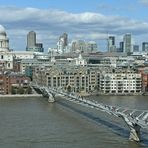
<point>145,2</point>
<point>49,24</point>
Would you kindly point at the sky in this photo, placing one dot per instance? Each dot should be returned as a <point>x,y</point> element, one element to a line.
<point>81,19</point>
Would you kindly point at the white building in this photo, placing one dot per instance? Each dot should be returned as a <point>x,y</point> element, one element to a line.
<point>6,58</point>
<point>120,82</point>
<point>4,41</point>
<point>6,61</point>
<point>80,61</point>
<point>23,54</point>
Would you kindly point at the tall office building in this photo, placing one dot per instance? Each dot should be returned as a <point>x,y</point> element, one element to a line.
<point>31,39</point>
<point>127,39</point>
<point>145,46</point>
<point>121,46</point>
<point>111,44</point>
<point>79,46</point>
<point>62,43</point>
<point>91,46</point>
<point>31,43</point>
<point>65,39</point>
<point>135,48</point>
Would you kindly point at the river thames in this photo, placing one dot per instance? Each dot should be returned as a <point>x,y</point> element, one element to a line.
<point>35,123</point>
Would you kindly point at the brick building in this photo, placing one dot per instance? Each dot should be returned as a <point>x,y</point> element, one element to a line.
<point>14,83</point>
<point>144,75</point>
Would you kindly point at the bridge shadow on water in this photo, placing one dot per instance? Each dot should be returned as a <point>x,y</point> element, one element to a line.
<point>116,129</point>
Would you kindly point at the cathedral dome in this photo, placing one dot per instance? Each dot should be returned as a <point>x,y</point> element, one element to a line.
<point>2,30</point>
<point>4,41</point>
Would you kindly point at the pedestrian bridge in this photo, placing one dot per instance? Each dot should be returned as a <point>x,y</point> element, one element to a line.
<point>135,119</point>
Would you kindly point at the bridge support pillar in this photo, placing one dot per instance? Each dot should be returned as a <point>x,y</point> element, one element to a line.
<point>134,132</point>
<point>134,128</point>
<point>51,99</point>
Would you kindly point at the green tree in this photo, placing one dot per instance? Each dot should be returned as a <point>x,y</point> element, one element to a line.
<point>20,90</point>
<point>13,90</point>
<point>68,88</point>
<point>29,90</point>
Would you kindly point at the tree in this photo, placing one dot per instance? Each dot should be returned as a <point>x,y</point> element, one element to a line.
<point>28,90</point>
<point>20,90</point>
<point>68,88</point>
<point>13,90</point>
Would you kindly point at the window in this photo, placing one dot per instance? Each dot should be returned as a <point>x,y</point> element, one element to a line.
<point>8,64</point>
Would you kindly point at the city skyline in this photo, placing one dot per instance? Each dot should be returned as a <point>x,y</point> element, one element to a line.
<point>88,20</point>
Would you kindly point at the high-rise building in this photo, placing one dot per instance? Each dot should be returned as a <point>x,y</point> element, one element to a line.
<point>121,46</point>
<point>127,39</point>
<point>135,48</point>
<point>62,43</point>
<point>79,46</point>
<point>145,46</point>
<point>65,39</point>
<point>111,44</point>
<point>91,46</point>
<point>31,39</point>
<point>31,43</point>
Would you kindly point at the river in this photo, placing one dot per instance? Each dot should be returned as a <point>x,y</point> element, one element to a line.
<point>35,123</point>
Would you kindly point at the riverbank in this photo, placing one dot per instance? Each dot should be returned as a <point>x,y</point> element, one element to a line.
<point>118,94</point>
<point>20,96</point>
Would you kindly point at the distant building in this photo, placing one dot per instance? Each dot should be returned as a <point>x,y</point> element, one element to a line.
<point>135,48</point>
<point>127,39</point>
<point>111,44</point>
<point>145,46</point>
<point>31,43</point>
<point>121,47</point>
<point>83,46</point>
<point>62,43</point>
<point>79,46</point>
<point>91,46</point>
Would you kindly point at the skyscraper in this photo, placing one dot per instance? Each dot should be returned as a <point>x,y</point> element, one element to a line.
<point>127,39</point>
<point>121,46</point>
<point>31,39</point>
<point>31,43</point>
<point>135,48</point>
<point>111,44</point>
<point>65,38</point>
<point>62,43</point>
<point>145,46</point>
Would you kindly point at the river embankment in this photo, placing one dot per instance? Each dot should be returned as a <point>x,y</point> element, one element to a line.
<point>20,96</point>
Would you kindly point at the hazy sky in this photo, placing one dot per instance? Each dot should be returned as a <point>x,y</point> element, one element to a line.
<point>81,19</point>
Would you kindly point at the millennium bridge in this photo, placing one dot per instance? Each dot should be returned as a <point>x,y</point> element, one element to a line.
<point>135,119</point>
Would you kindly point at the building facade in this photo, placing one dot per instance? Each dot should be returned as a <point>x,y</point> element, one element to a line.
<point>111,44</point>
<point>127,39</point>
<point>13,83</point>
<point>77,78</point>
<point>121,82</point>
<point>145,46</point>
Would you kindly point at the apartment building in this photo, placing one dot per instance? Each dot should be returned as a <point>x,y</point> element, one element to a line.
<point>120,82</point>
<point>75,78</point>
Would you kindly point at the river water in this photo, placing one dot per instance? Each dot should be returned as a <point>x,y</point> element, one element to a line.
<point>35,123</point>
